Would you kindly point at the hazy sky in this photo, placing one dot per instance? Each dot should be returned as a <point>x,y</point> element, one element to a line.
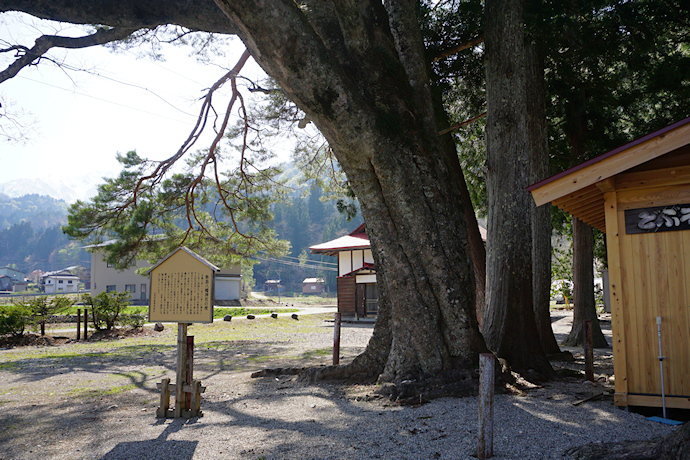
<point>82,119</point>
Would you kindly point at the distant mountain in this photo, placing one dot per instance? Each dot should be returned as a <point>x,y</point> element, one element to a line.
<point>67,189</point>
<point>39,211</point>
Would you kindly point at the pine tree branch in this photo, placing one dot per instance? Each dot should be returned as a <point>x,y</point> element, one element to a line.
<point>461,124</point>
<point>31,56</point>
<point>195,15</point>
<point>457,48</point>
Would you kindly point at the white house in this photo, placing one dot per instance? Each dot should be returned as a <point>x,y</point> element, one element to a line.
<point>228,284</point>
<point>106,278</point>
<point>59,281</point>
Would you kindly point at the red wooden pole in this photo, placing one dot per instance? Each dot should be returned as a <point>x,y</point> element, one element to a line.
<point>190,370</point>
<point>336,339</point>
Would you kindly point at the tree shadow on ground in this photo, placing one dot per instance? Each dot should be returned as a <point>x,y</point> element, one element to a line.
<point>160,447</point>
<point>281,418</point>
<point>211,357</point>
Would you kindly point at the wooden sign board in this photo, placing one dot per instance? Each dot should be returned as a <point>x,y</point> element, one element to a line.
<point>657,219</point>
<point>182,289</point>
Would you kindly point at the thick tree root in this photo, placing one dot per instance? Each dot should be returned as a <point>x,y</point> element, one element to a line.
<point>670,447</point>
<point>413,391</point>
<point>451,383</point>
<point>278,371</point>
<point>348,373</point>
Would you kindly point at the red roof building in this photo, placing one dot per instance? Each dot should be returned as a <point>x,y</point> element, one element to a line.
<point>357,293</point>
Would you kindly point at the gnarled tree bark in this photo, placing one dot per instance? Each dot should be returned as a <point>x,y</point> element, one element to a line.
<point>201,15</point>
<point>511,136</point>
<point>339,63</point>
<point>356,68</point>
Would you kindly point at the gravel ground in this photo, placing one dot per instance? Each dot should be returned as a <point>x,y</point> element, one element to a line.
<point>102,405</point>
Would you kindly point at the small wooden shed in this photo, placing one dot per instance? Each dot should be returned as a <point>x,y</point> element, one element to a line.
<point>639,195</point>
<point>272,286</point>
<point>313,285</point>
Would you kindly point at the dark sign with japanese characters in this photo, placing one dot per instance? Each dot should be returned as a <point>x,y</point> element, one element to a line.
<point>182,289</point>
<point>658,219</point>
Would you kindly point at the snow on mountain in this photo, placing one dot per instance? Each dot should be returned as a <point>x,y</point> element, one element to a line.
<point>68,189</point>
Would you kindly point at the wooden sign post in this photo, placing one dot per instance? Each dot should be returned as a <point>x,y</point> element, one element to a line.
<point>182,291</point>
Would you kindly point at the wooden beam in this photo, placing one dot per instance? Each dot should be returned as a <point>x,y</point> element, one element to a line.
<point>606,185</point>
<point>616,298</point>
<point>677,402</point>
<point>580,195</point>
<point>621,161</point>
<point>655,178</point>
<point>595,211</point>
<point>657,196</point>
<point>577,207</point>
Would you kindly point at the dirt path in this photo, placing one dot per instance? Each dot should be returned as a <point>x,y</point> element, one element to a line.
<point>98,400</point>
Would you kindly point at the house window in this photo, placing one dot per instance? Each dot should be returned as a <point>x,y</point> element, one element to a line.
<point>110,288</point>
<point>130,287</point>
<point>60,281</point>
<point>143,292</point>
<point>69,281</point>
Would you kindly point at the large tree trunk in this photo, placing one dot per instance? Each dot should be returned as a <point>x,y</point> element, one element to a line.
<point>583,290</point>
<point>339,63</point>
<point>509,324</point>
<point>357,69</point>
<point>583,239</point>
<point>409,42</point>
<point>541,216</point>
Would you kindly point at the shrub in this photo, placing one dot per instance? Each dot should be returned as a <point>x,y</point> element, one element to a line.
<point>40,308</point>
<point>13,319</point>
<point>106,308</point>
<point>134,320</point>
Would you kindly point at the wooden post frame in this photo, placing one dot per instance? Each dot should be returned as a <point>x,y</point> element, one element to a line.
<point>182,288</point>
<point>336,339</point>
<point>485,442</point>
<point>86,322</point>
<point>181,369</point>
<point>189,370</point>
<point>164,409</point>
<point>182,291</point>
<point>588,349</point>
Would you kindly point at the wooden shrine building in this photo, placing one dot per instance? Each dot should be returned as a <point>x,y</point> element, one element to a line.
<point>639,195</point>
<point>357,291</point>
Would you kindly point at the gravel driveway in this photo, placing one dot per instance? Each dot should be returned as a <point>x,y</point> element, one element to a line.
<point>98,400</point>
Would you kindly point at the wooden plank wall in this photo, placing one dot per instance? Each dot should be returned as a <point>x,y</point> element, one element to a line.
<point>655,281</point>
<point>347,295</point>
